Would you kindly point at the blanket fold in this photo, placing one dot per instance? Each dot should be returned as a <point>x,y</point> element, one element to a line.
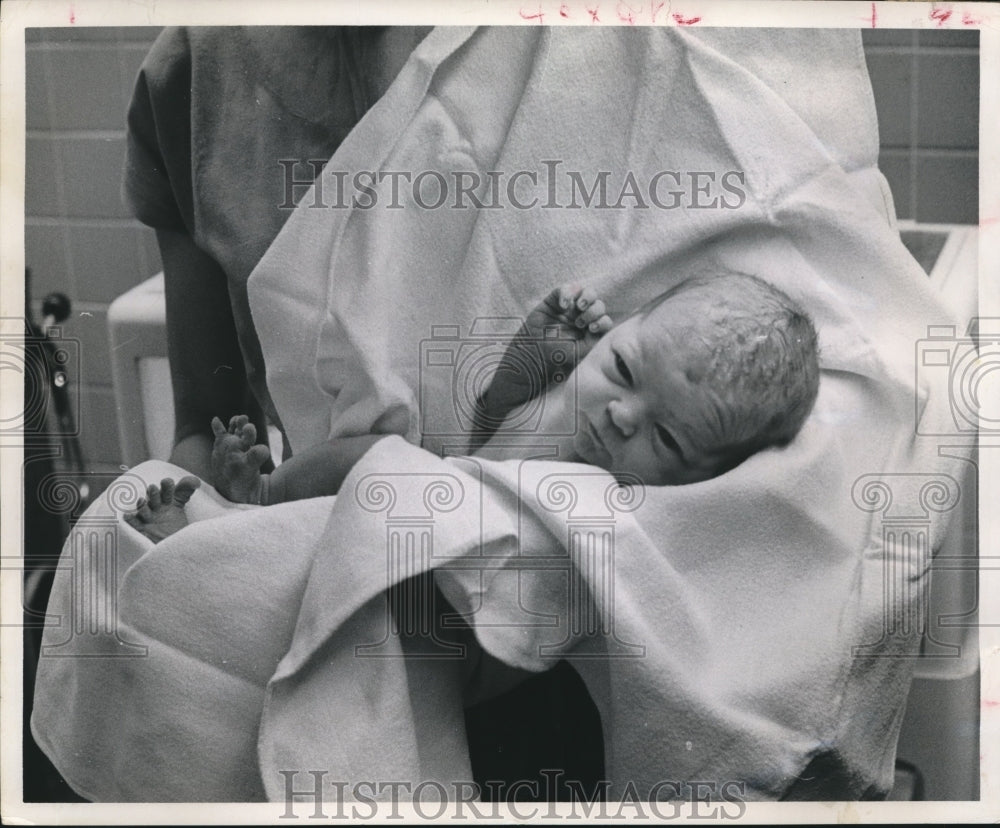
<point>733,630</point>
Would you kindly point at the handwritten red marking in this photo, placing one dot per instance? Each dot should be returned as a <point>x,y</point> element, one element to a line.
<point>593,14</point>
<point>940,15</point>
<point>874,16</point>
<point>969,20</point>
<point>991,703</point>
<point>564,10</point>
<point>539,15</point>
<point>625,13</point>
<point>989,222</point>
<point>654,9</point>
<point>685,21</point>
<point>72,15</point>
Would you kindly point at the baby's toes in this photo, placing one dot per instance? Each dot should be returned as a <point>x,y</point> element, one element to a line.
<point>186,487</point>
<point>153,496</point>
<point>133,521</point>
<point>257,456</point>
<point>218,429</point>
<point>142,511</point>
<point>237,422</point>
<point>167,490</point>
<point>235,463</point>
<point>248,435</point>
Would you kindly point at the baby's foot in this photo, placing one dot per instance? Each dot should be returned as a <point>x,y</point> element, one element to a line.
<point>161,512</point>
<point>236,461</point>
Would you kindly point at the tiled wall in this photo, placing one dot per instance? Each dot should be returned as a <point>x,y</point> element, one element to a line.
<point>80,240</point>
<point>926,88</point>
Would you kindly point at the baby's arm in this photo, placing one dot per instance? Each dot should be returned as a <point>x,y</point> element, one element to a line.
<point>316,472</point>
<point>555,336</point>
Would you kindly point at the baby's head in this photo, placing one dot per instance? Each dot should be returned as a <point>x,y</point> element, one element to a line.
<point>707,374</point>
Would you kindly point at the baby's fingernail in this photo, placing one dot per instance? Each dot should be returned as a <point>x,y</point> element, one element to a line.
<point>580,323</point>
<point>564,303</point>
<point>594,327</point>
<point>582,304</point>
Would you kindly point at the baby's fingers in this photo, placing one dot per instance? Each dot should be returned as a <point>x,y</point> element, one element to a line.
<point>600,326</point>
<point>594,311</point>
<point>586,298</point>
<point>556,302</point>
<point>562,300</point>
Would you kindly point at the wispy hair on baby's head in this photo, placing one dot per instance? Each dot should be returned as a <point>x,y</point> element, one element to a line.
<point>757,353</point>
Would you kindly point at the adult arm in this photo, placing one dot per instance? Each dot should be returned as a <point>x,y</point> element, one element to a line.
<point>206,366</point>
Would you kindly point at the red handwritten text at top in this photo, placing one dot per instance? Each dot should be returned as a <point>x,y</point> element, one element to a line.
<point>940,15</point>
<point>623,12</point>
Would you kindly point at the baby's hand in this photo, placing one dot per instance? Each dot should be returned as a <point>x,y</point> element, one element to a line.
<point>161,512</point>
<point>555,336</point>
<point>236,461</point>
<point>573,312</point>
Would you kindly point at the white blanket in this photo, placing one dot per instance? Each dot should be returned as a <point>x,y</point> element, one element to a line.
<point>739,627</point>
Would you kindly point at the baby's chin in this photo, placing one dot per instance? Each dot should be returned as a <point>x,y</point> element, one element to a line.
<point>589,451</point>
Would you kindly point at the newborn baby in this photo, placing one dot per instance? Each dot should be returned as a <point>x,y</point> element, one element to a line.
<point>710,372</point>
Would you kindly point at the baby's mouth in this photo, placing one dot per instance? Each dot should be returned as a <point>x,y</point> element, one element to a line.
<point>596,438</point>
<point>601,454</point>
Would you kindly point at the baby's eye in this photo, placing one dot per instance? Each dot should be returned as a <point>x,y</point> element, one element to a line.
<point>622,369</point>
<point>667,439</point>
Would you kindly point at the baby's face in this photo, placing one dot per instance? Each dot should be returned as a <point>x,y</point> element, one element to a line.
<point>641,407</point>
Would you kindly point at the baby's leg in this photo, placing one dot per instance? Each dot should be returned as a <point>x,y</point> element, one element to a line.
<point>161,512</point>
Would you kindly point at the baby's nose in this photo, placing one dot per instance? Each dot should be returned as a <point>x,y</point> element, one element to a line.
<point>624,416</point>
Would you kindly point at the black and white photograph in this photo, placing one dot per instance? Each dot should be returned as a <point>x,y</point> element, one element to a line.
<point>553,411</point>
